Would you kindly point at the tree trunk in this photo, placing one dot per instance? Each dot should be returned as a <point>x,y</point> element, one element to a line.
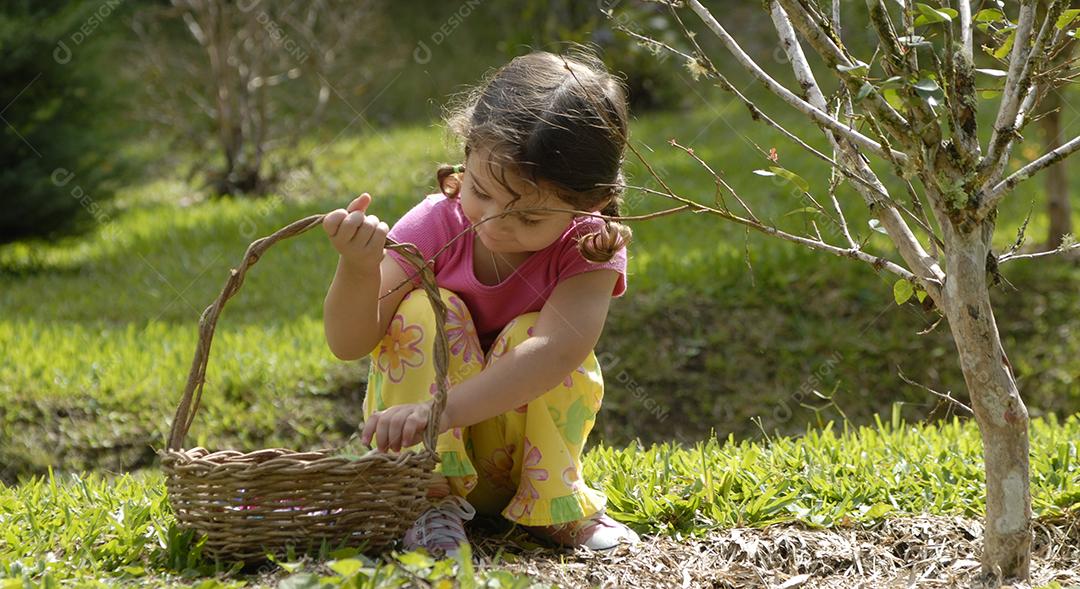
<point>999,411</point>
<point>1057,186</point>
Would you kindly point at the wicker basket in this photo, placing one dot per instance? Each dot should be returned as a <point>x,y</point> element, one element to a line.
<point>255,503</point>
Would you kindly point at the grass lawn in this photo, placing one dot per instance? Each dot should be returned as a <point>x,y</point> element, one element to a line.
<point>99,529</point>
<point>101,330</point>
<point>732,339</point>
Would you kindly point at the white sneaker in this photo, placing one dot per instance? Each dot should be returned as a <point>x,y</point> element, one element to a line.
<point>441,529</point>
<point>596,532</point>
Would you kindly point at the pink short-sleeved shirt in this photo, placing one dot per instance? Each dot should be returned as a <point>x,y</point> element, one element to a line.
<point>431,224</point>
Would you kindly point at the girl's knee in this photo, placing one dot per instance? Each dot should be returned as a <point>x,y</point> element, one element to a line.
<point>518,330</point>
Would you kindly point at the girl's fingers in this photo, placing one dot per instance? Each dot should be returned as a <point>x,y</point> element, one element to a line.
<point>378,238</point>
<point>377,241</point>
<point>350,226</point>
<point>359,203</point>
<point>367,230</point>
<point>397,429</point>
<point>369,428</point>
<point>412,430</point>
<point>332,221</point>
<point>382,433</point>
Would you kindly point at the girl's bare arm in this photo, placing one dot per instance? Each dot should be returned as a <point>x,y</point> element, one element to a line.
<point>354,318</point>
<point>568,328</point>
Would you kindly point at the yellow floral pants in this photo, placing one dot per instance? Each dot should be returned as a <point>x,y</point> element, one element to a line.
<point>525,463</point>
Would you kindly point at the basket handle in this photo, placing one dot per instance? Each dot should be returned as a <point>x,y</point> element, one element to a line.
<point>189,403</point>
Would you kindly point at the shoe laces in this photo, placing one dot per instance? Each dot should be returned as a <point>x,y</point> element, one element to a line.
<point>442,523</point>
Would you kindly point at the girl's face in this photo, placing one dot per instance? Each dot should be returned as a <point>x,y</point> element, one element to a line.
<point>483,196</point>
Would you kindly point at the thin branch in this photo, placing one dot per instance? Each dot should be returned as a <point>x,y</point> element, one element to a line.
<point>991,198</point>
<point>898,62</point>
<point>876,261</point>
<point>894,62</point>
<point>720,182</point>
<point>820,117</point>
<point>755,112</point>
<point>916,203</point>
<point>965,28</point>
<point>927,268</point>
<point>1058,250</point>
<point>909,32</point>
<point>841,64</point>
<point>1010,97</point>
<point>516,211</point>
<point>946,396</point>
<point>919,220</point>
<point>1033,86</point>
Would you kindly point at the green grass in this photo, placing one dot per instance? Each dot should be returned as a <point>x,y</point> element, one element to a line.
<point>102,329</point>
<point>98,530</point>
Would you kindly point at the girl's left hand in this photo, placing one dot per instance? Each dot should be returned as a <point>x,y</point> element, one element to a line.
<point>399,426</point>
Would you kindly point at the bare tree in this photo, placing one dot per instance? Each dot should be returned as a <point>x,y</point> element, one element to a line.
<point>913,105</point>
<point>259,75</point>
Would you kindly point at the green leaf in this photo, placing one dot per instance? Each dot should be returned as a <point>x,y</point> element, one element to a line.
<point>300,581</point>
<point>931,15</point>
<point>810,210</point>
<point>864,91</point>
<point>914,41</point>
<point>347,567</point>
<point>290,567</point>
<point>858,68</point>
<point>1003,51</point>
<point>893,97</point>
<point>927,85</point>
<point>902,291</point>
<point>988,15</point>
<point>1067,18</point>
<point>928,90</point>
<point>791,177</point>
<point>893,82</point>
<point>920,294</point>
<point>416,560</point>
<point>466,576</point>
<point>878,510</point>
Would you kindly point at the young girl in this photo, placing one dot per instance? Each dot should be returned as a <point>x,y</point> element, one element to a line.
<point>527,292</point>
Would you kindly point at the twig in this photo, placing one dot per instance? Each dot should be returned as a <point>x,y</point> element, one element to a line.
<point>1057,250</point>
<point>945,396</point>
<point>991,198</point>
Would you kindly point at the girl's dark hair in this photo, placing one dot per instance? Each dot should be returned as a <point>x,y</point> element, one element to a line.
<point>556,119</point>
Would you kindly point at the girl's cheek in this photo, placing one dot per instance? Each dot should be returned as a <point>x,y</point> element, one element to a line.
<point>544,237</point>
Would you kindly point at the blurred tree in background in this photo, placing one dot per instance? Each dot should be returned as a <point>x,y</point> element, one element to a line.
<point>245,78</point>
<point>58,145</point>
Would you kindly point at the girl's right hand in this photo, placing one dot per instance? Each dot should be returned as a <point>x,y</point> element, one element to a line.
<point>359,238</point>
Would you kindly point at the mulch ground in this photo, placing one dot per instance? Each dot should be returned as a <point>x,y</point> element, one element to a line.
<point>925,551</point>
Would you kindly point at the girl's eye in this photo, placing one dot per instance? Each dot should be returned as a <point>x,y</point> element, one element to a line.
<point>481,195</point>
<point>529,222</point>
